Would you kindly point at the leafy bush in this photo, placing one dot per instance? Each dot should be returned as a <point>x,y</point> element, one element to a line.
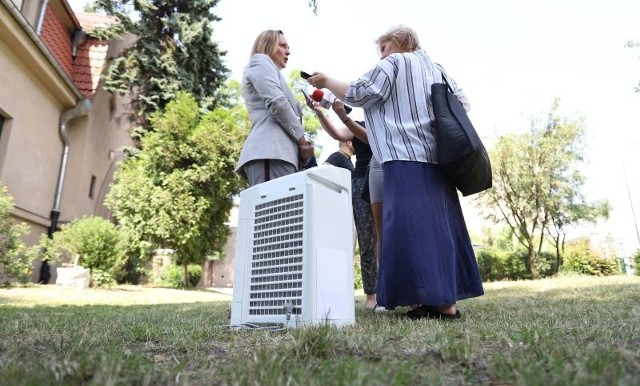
<point>15,260</point>
<point>100,278</point>
<point>636,262</point>
<point>547,264</point>
<point>580,258</point>
<point>497,265</point>
<point>138,256</point>
<point>174,276</point>
<point>96,242</point>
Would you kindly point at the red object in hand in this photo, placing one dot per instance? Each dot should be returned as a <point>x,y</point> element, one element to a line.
<point>317,95</point>
<point>326,99</point>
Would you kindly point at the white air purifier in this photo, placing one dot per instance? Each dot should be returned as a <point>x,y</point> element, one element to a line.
<point>294,251</point>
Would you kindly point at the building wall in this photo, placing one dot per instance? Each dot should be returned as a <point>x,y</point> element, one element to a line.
<point>30,160</point>
<point>36,88</point>
<point>35,91</point>
<point>221,271</point>
<point>98,151</point>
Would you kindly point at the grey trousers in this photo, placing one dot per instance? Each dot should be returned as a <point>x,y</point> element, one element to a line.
<point>262,170</point>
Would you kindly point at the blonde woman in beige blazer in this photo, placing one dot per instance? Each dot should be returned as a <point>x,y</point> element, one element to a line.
<point>276,145</point>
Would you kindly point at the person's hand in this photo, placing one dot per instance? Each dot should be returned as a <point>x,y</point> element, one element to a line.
<point>313,105</point>
<point>318,80</point>
<point>305,152</point>
<point>309,103</point>
<point>338,107</point>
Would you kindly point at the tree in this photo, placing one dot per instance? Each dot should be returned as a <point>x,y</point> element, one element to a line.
<point>174,52</point>
<point>565,205</point>
<point>177,191</point>
<point>537,185</point>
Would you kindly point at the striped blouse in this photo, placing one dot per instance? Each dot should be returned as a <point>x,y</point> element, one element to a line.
<point>396,98</point>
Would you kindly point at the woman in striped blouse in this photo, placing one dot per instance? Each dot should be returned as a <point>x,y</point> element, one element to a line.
<point>427,261</point>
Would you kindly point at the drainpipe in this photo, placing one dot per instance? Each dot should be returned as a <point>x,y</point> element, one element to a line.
<point>80,110</point>
<point>43,11</point>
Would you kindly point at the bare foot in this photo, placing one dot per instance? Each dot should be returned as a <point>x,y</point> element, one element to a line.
<point>371,301</point>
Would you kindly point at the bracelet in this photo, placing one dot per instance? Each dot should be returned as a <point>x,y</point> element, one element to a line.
<point>346,120</point>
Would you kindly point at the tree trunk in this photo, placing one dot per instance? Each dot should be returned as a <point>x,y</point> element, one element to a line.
<point>186,274</point>
<point>530,262</point>
<point>561,262</point>
<point>558,256</point>
<point>527,260</point>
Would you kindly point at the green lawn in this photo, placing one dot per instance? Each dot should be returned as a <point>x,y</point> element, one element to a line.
<point>566,331</point>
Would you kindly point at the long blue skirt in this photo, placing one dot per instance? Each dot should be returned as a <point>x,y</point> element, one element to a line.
<point>427,257</point>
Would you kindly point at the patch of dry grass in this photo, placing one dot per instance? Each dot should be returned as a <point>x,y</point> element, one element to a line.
<point>51,295</point>
<point>563,331</point>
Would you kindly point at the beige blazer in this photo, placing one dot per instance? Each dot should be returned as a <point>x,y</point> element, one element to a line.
<point>276,116</point>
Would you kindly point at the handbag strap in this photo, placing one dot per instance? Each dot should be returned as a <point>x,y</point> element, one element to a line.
<point>444,80</point>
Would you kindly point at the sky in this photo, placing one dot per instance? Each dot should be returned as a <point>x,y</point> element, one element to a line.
<point>512,59</point>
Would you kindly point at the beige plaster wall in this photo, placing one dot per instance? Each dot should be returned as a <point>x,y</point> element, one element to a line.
<point>33,96</point>
<point>32,155</point>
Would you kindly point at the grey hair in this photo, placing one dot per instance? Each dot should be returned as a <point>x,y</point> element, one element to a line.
<point>404,37</point>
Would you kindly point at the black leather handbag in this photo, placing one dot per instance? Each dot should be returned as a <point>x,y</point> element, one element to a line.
<point>460,150</point>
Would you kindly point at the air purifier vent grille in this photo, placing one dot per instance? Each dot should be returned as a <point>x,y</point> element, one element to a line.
<point>277,256</point>
<point>294,252</point>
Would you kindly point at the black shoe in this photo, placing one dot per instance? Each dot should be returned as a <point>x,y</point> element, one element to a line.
<point>430,312</point>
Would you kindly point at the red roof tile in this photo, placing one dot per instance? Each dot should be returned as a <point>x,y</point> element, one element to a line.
<point>85,70</point>
<point>91,57</point>
<point>57,38</point>
<point>88,66</point>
